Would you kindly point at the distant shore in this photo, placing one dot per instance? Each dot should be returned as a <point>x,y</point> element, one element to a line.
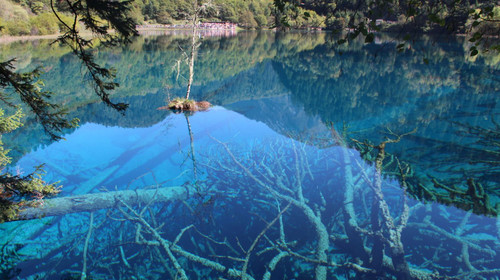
<point>4,39</point>
<point>168,30</point>
<point>10,39</point>
<point>211,29</point>
<point>200,26</point>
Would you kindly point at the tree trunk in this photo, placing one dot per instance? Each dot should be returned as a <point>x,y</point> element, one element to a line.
<point>192,57</point>
<point>96,201</point>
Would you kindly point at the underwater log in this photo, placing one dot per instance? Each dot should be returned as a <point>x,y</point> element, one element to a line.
<point>96,201</point>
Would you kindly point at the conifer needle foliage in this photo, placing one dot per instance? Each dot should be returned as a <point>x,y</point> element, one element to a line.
<point>17,89</point>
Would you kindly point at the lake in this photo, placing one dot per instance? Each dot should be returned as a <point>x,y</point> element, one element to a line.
<point>316,161</point>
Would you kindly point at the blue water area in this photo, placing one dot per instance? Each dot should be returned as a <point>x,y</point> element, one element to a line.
<point>315,162</point>
<point>114,156</point>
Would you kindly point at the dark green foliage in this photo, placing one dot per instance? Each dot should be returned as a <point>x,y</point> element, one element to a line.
<point>98,16</point>
<point>17,190</point>
<point>43,24</point>
<point>29,89</point>
<point>114,14</point>
<point>19,28</point>
<point>37,7</point>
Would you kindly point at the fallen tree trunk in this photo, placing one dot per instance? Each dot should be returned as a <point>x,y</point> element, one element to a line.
<point>96,201</point>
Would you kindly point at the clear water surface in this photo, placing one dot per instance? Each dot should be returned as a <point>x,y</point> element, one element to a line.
<point>283,178</point>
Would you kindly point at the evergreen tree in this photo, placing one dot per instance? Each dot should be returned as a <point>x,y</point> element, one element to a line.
<point>17,89</point>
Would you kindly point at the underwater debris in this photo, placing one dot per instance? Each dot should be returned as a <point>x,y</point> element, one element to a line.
<point>470,196</point>
<point>265,214</point>
<point>97,201</point>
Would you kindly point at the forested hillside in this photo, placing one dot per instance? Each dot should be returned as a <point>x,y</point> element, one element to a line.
<point>34,17</point>
<point>247,13</point>
<point>28,18</point>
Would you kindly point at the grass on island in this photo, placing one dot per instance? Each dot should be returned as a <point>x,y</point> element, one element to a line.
<point>183,104</point>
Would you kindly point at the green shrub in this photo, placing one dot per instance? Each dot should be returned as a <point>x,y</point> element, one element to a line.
<point>164,17</point>
<point>15,19</point>
<point>37,7</point>
<point>17,28</point>
<point>247,20</point>
<point>261,20</point>
<point>44,24</point>
<point>18,13</point>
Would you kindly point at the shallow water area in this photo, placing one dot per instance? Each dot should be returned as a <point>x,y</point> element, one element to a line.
<point>317,161</point>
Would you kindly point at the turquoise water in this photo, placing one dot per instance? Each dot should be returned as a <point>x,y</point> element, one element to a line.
<point>278,180</point>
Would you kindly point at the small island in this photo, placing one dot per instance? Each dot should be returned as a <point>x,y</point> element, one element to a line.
<point>183,104</point>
